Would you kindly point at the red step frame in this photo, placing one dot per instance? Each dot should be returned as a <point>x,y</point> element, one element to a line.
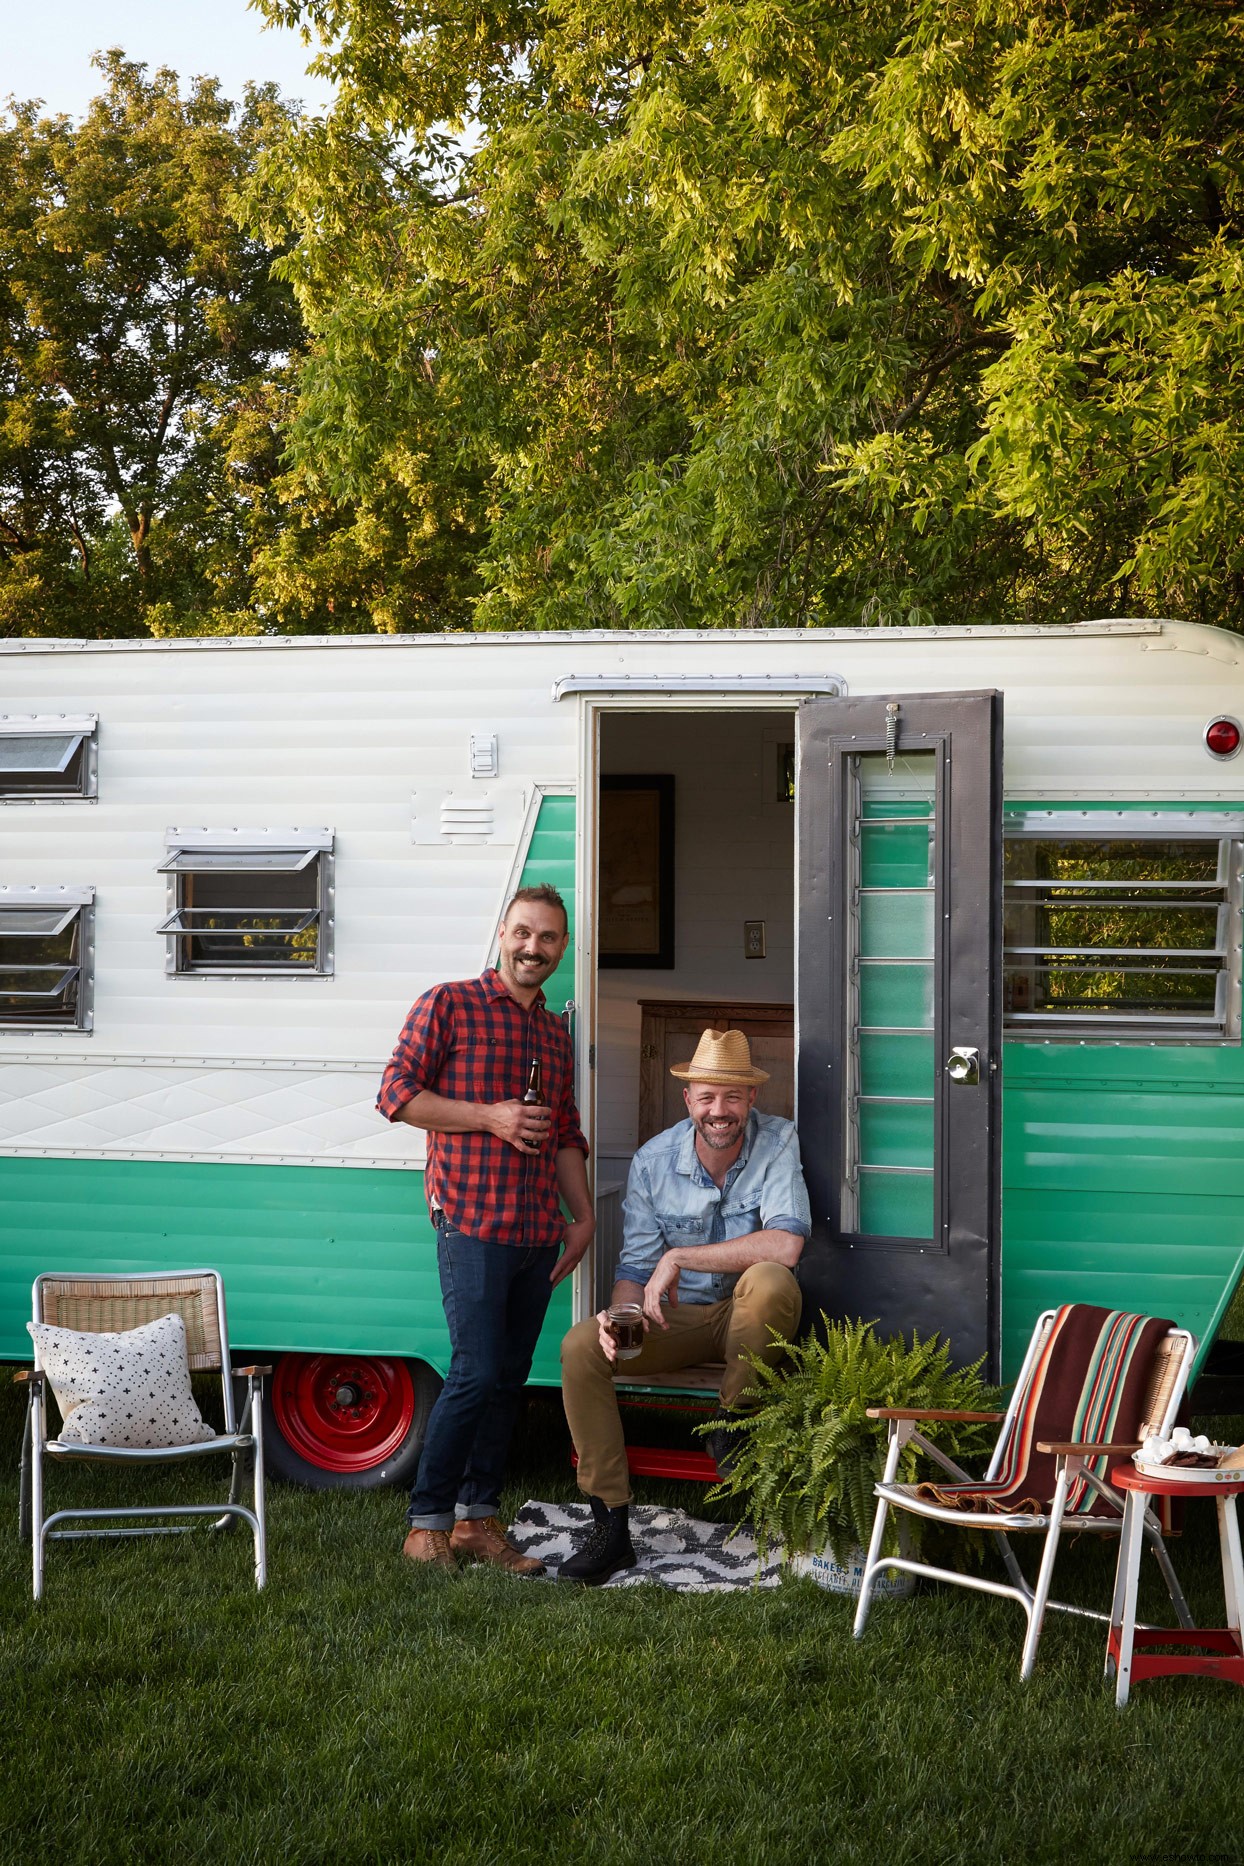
<point>695,1467</point>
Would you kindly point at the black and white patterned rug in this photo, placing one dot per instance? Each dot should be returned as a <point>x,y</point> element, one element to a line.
<point>674,1549</point>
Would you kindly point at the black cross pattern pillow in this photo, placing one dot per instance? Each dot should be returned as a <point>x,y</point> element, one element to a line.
<point>130,1389</point>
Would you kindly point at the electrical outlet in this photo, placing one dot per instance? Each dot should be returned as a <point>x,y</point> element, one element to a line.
<point>753,939</point>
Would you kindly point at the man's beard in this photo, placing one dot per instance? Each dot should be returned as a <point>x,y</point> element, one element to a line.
<point>721,1137</point>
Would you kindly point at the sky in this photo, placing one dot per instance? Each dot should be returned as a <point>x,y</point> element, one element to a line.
<point>45,49</point>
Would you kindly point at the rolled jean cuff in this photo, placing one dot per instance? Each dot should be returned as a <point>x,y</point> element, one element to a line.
<point>474,1512</point>
<point>443,1519</point>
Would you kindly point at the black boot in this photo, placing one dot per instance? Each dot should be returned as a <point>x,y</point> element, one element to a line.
<point>607,1550</point>
<point>724,1447</point>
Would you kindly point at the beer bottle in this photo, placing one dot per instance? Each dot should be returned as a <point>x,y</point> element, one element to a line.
<point>533,1095</point>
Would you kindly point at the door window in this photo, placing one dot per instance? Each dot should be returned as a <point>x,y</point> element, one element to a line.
<point>888,1156</point>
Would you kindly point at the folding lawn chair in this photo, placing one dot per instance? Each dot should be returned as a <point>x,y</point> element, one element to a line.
<point>1094,1383</point>
<point>92,1305</point>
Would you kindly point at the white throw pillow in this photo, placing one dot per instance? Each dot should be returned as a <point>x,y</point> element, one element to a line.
<point>130,1389</point>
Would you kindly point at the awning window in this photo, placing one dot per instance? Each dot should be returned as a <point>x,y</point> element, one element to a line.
<point>238,861</point>
<point>45,958</point>
<point>47,757</point>
<point>248,901</point>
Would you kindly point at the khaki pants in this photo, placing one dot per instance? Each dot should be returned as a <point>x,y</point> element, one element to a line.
<point>766,1297</point>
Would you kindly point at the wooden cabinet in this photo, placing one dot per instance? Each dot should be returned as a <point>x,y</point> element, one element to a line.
<point>669,1032</point>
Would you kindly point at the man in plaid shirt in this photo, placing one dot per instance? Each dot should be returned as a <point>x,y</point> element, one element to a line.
<point>498,1173</point>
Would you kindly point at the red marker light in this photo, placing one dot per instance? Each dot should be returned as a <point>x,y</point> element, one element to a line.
<point>1222,737</point>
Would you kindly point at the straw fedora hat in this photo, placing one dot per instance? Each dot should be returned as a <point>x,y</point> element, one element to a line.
<point>722,1056</point>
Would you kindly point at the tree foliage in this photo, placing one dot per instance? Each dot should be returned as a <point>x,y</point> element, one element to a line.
<point>766,311</point>
<point>143,343</point>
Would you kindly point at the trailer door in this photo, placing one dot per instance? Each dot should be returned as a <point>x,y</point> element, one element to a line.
<point>898,1005</point>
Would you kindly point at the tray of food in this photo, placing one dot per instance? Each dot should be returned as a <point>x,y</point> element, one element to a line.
<point>1181,1458</point>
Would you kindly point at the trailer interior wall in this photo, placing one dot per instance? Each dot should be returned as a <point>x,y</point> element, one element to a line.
<point>734,852</point>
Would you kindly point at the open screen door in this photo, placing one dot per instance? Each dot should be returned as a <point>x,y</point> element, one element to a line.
<point>898,1011</point>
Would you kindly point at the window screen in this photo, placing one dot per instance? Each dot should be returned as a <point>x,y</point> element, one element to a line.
<point>45,959</point>
<point>249,908</point>
<point>47,758</point>
<point>1123,936</point>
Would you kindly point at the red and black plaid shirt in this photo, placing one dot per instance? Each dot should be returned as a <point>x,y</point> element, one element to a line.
<point>471,1041</point>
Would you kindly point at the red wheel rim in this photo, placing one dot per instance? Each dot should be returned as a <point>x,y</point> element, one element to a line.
<point>343,1412</point>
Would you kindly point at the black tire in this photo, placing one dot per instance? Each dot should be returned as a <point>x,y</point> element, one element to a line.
<point>289,1432</point>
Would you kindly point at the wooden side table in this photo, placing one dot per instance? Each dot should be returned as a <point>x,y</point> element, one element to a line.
<point>1218,1651</point>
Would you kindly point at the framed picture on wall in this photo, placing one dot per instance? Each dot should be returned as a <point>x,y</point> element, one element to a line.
<point>635,919</point>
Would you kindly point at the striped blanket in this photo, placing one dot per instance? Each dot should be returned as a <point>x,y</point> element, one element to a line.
<point>1089,1383</point>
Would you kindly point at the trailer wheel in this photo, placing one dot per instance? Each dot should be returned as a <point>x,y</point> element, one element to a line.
<point>346,1421</point>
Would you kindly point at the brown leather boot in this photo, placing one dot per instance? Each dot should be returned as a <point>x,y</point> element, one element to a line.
<point>483,1538</point>
<point>431,1546</point>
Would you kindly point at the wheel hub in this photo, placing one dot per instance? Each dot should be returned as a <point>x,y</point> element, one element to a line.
<point>345,1413</point>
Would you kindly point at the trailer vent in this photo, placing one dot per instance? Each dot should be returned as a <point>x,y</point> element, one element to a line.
<point>467,822</point>
<point>467,818</point>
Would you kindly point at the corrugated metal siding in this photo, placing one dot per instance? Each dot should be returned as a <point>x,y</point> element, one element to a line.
<point>1123,1170</point>
<point>284,737</point>
<point>312,1260</point>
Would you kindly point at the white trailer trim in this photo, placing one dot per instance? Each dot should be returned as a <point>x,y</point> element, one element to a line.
<point>826,686</point>
<point>259,644</point>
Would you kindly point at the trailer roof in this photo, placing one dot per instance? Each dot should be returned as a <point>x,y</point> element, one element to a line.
<point>214,644</point>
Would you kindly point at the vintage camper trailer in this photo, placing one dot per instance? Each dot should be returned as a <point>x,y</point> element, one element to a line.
<point>977,895</point>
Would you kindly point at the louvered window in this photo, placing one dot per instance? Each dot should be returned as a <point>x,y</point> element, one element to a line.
<point>249,901</point>
<point>1123,925</point>
<point>46,956</point>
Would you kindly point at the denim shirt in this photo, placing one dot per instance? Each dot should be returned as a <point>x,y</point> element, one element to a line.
<point>671,1202</point>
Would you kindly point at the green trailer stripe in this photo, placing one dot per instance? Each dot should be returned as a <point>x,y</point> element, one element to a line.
<point>551,858</point>
<point>314,1258</point>
<point>1123,1175</point>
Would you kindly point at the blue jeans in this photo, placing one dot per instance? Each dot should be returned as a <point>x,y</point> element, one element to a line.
<point>495,1298</point>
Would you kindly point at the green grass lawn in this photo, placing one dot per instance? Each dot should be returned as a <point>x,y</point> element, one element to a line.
<point>157,1708</point>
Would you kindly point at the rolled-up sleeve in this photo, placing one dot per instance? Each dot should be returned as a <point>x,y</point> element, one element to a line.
<point>784,1203</point>
<point>421,1050</point>
<point>643,1244</point>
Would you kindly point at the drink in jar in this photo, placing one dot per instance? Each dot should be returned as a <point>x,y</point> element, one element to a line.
<point>626,1325</point>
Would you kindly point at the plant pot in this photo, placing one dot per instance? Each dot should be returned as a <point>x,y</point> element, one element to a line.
<point>845,1574</point>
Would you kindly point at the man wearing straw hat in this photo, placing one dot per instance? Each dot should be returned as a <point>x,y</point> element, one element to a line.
<point>715,1217</point>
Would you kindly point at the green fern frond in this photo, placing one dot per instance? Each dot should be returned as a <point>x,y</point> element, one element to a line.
<point>808,1455</point>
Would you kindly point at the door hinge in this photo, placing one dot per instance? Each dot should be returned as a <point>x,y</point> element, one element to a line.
<point>591,1056</point>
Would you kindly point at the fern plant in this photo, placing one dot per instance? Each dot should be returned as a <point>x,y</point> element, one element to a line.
<point>806,1456</point>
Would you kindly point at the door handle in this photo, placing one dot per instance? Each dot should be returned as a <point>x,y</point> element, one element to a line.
<point>963,1065</point>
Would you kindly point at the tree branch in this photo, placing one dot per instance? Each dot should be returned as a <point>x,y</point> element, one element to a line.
<point>982,340</point>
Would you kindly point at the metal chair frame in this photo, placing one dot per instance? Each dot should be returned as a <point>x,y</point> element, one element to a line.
<point>241,1439</point>
<point>1071,1462</point>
